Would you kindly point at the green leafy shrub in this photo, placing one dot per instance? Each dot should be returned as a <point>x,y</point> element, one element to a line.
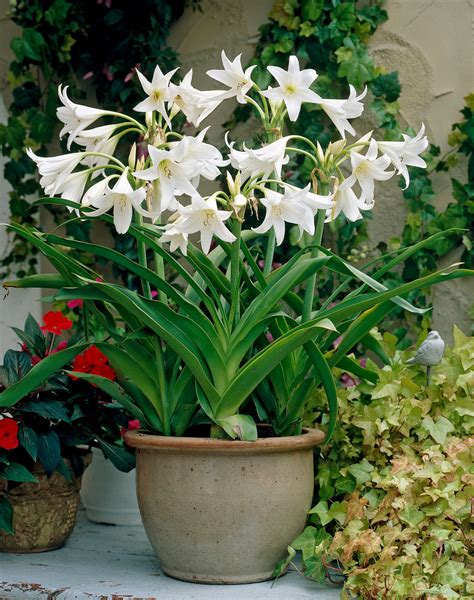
<point>394,488</point>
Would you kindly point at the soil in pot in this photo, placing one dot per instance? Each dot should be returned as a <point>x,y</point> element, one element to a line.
<point>44,512</point>
<point>219,511</point>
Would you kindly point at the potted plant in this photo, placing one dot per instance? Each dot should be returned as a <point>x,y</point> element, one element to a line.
<point>45,438</point>
<point>218,366</point>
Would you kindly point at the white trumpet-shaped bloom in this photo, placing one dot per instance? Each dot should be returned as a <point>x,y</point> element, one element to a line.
<point>193,103</point>
<point>294,87</point>
<point>346,201</point>
<point>54,170</point>
<point>313,201</point>
<point>234,77</point>
<point>205,218</point>
<point>203,159</point>
<point>76,117</point>
<point>263,161</point>
<point>407,153</point>
<point>98,140</point>
<point>123,199</point>
<point>175,238</point>
<point>340,111</point>
<point>172,172</point>
<point>157,91</point>
<point>285,208</point>
<point>367,169</point>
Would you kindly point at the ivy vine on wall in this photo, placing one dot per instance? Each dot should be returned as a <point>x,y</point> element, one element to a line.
<point>85,44</point>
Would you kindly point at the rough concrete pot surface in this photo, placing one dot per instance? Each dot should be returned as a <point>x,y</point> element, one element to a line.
<point>221,511</point>
<point>108,495</point>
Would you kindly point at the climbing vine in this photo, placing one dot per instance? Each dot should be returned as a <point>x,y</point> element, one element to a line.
<point>88,45</point>
<point>332,37</point>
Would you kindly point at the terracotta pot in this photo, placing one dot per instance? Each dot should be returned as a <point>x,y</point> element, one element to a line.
<point>108,495</point>
<point>44,513</point>
<point>218,511</point>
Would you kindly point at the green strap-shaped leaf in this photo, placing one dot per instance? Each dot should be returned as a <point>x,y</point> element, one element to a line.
<point>323,370</point>
<point>260,366</point>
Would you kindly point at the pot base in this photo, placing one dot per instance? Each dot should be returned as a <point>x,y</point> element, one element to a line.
<point>209,580</point>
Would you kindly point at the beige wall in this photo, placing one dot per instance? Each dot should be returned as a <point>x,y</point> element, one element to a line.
<point>430,43</point>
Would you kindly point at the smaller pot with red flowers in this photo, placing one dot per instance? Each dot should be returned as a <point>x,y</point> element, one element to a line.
<point>46,436</point>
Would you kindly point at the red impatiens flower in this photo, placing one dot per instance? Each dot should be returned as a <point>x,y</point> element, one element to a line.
<point>104,371</point>
<point>8,434</point>
<point>55,322</point>
<point>93,361</point>
<point>95,357</point>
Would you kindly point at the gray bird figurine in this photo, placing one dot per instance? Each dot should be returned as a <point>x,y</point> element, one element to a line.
<point>429,353</point>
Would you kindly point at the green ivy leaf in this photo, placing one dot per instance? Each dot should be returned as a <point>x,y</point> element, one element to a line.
<point>438,429</point>
<point>311,9</point>
<point>387,86</point>
<point>345,15</point>
<point>362,471</point>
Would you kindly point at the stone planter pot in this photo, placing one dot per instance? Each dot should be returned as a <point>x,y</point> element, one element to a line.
<point>44,513</point>
<point>108,495</point>
<point>219,511</point>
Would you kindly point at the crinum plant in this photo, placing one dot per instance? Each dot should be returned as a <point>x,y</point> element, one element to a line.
<point>216,334</point>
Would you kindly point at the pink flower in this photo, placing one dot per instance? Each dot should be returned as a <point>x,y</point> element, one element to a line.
<point>337,341</point>
<point>154,293</point>
<point>75,303</point>
<point>348,381</point>
<point>88,75</point>
<point>133,424</point>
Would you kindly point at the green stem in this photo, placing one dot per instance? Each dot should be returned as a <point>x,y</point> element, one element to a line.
<point>317,239</point>
<point>160,270</point>
<point>142,260</point>
<point>160,361</point>
<point>234,314</point>
<point>267,267</point>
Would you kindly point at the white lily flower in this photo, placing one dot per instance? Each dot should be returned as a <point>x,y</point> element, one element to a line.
<point>96,191</point>
<point>233,75</point>
<point>203,159</point>
<point>98,139</point>
<point>173,174</point>
<point>72,188</point>
<point>175,238</point>
<point>157,91</point>
<point>54,170</point>
<point>294,87</point>
<point>313,201</point>
<point>346,201</point>
<point>406,153</point>
<point>339,111</point>
<point>203,216</point>
<point>76,117</point>
<point>263,161</point>
<point>285,208</point>
<point>123,199</point>
<point>195,104</point>
<point>366,169</point>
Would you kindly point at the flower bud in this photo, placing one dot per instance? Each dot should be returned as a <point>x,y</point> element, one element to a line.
<point>132,157</point>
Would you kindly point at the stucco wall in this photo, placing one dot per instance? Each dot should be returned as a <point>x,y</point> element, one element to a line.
<point>430,43</point>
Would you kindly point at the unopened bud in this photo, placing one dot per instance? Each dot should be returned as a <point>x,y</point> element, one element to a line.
<point>174,110</point>
<point>337,147</point>
<point>132,157</point>
<point>149,118</point>
<point>319,152</point>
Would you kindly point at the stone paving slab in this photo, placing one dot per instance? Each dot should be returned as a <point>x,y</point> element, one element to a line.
<point>102,562</point>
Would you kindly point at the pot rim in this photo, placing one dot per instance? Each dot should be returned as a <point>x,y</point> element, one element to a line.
<point>146,441</point>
